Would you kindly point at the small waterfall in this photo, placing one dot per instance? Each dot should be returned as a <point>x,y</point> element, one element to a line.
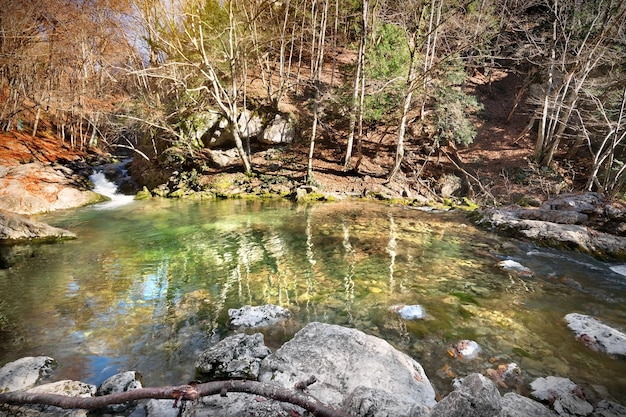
<point>105,187</point>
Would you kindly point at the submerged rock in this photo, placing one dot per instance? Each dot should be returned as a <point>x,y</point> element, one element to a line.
<point>257,316</point>
<point>514,266</point>
<point>596,335</point>
<point>409,312</point>
<point>465,349</point>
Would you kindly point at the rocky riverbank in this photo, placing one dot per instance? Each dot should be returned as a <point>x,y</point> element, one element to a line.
<point>354,373</point>
<point>583,222</point>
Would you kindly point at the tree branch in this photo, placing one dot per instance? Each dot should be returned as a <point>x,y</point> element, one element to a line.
<point>180,393</point>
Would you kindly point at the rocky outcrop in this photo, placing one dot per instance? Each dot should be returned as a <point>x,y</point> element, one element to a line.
<point>14,227</point>
<point>584,222</point>
<point>39,188</point>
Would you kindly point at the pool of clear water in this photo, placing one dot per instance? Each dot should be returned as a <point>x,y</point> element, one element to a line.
<point>147,286</point>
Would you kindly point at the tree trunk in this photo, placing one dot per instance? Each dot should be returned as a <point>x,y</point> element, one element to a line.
<point>359,86</point>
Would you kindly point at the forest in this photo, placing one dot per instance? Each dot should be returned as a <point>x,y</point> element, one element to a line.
<point>156,77</point>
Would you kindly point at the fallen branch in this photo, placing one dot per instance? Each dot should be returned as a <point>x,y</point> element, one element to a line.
<point>179,393</point>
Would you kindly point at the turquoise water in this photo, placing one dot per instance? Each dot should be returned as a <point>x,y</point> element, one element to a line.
<point>147,286</point>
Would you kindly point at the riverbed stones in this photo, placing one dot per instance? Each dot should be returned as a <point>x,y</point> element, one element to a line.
<point>257,316</point>
<point>235,357</point>
<point>17,227</point>
<point>344,360</point>
<point>25,372</point>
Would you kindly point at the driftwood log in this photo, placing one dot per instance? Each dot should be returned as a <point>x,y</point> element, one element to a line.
<point>188,392</point>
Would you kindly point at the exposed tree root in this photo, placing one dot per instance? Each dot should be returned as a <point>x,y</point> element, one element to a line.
<point>181,393</point>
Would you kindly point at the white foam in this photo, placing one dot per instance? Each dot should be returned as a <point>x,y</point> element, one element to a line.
<point>105,187</point>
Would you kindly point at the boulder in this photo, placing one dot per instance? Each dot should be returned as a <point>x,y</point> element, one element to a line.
<point>348,361</point>
<point>122,382</point>
<point>597,335</point>
<point>39,188</point>
<point>222,159</point>
<point>237,357</point>
<point>257,316</point>
<point>515,405</point>
<point>17,227</point>
<point>25,372</point>
<point>250,124</point>
<point>474,396</point>
<point>565,396</point>
<point>281,130</point>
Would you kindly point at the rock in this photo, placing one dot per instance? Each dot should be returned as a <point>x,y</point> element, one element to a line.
<point>237,357</point>
<point>510,265</point>
<point>281,130</point>
<point>237,404</point>
<point>619,269</point>
<point>570,404</point>
<point>66,387</point>
<point>222,159</point>
<point>579,222</point>
<point>475,396</point>
<point>250,124</point>
<point>376,402</point>
<point>550,388</point>
<point>265,315</point>
<point>345,359</point>
<point>465,349</point>
<point>449,184</point>
<point>122,382</point>
<point>161,408</point>
<point>596,335</point>
<point>515,405</point>
<point>565,396</point>
<point>609,409</point>
<point>25,372</point>
<point>409,312</point>
<point>17,227</point>
<point>39,188</point>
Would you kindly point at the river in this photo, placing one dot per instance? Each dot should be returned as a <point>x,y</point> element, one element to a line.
<point>148,284</point>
